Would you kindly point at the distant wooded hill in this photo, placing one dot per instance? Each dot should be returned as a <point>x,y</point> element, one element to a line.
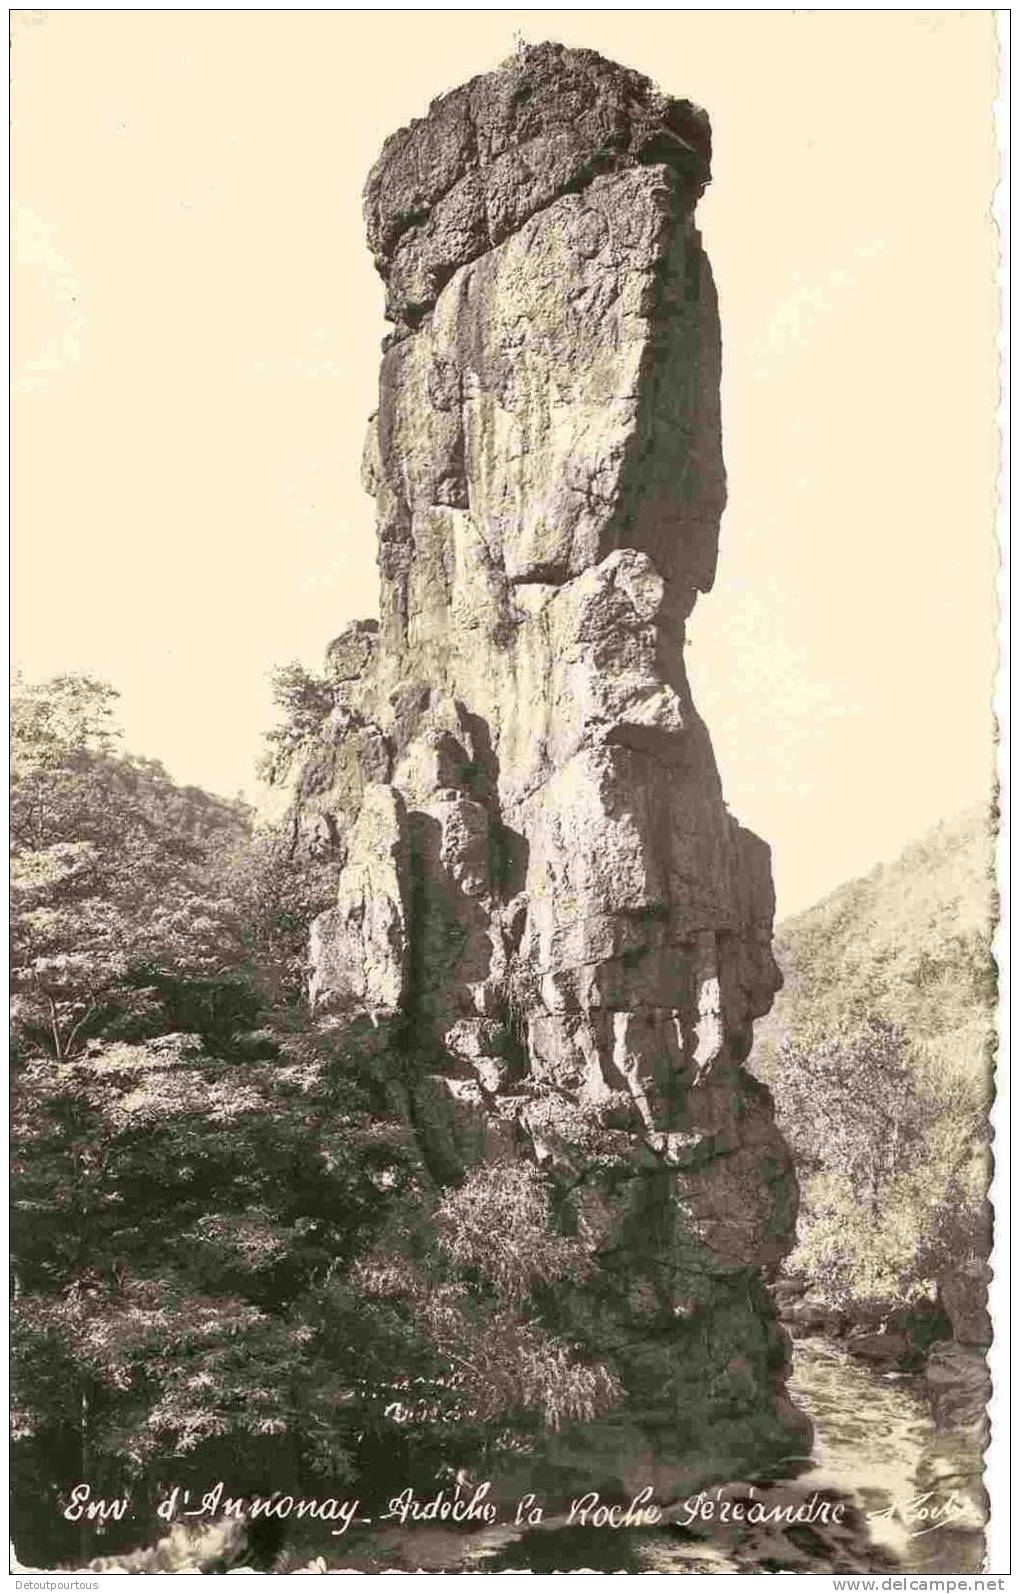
<point>909,943</point>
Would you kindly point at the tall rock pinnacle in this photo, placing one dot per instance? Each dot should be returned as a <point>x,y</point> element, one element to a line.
<point>543,899</point>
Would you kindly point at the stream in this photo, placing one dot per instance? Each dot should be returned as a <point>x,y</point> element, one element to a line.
<point>901,1482</point>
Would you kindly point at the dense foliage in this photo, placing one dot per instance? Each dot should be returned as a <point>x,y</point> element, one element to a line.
<point>229,1260</point>
<point>879,1054</point>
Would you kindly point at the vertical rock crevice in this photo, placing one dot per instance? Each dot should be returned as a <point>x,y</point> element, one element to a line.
<point>543,890</point>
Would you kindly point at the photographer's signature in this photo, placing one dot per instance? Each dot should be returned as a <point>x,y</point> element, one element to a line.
<point>923,1513</point>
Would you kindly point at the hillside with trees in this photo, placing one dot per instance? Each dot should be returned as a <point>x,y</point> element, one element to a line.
<point>880,1051</point>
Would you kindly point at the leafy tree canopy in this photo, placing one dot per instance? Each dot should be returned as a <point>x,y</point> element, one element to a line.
<point>229,1258</point>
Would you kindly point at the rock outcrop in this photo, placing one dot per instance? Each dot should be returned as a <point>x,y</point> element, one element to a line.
<point>544,901</point>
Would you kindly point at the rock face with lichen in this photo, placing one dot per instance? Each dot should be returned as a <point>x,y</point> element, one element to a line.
<point>544,902</point>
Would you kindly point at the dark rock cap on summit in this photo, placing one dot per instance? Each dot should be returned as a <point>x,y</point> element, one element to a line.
<point>491,153</point>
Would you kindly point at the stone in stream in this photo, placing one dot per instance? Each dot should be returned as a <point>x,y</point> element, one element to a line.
<point>885,1348</point>
<point>545,904</point>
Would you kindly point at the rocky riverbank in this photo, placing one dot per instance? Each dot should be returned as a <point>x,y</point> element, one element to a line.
<point>945,1338</point>
<point>943,1345</point>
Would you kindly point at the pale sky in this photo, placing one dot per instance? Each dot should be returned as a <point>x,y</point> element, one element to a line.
<point>196,339</point>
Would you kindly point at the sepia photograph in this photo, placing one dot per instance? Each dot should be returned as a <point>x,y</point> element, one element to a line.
<point>504,796</point>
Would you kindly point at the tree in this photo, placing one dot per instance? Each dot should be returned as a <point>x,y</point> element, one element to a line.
<point>304,701</point>
<point>470,1265</point>
<point>848,1104</point>
<point>275,895</point>
<point>108,870</point>
<point>890,1142</point>
<point>176,1214</point>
